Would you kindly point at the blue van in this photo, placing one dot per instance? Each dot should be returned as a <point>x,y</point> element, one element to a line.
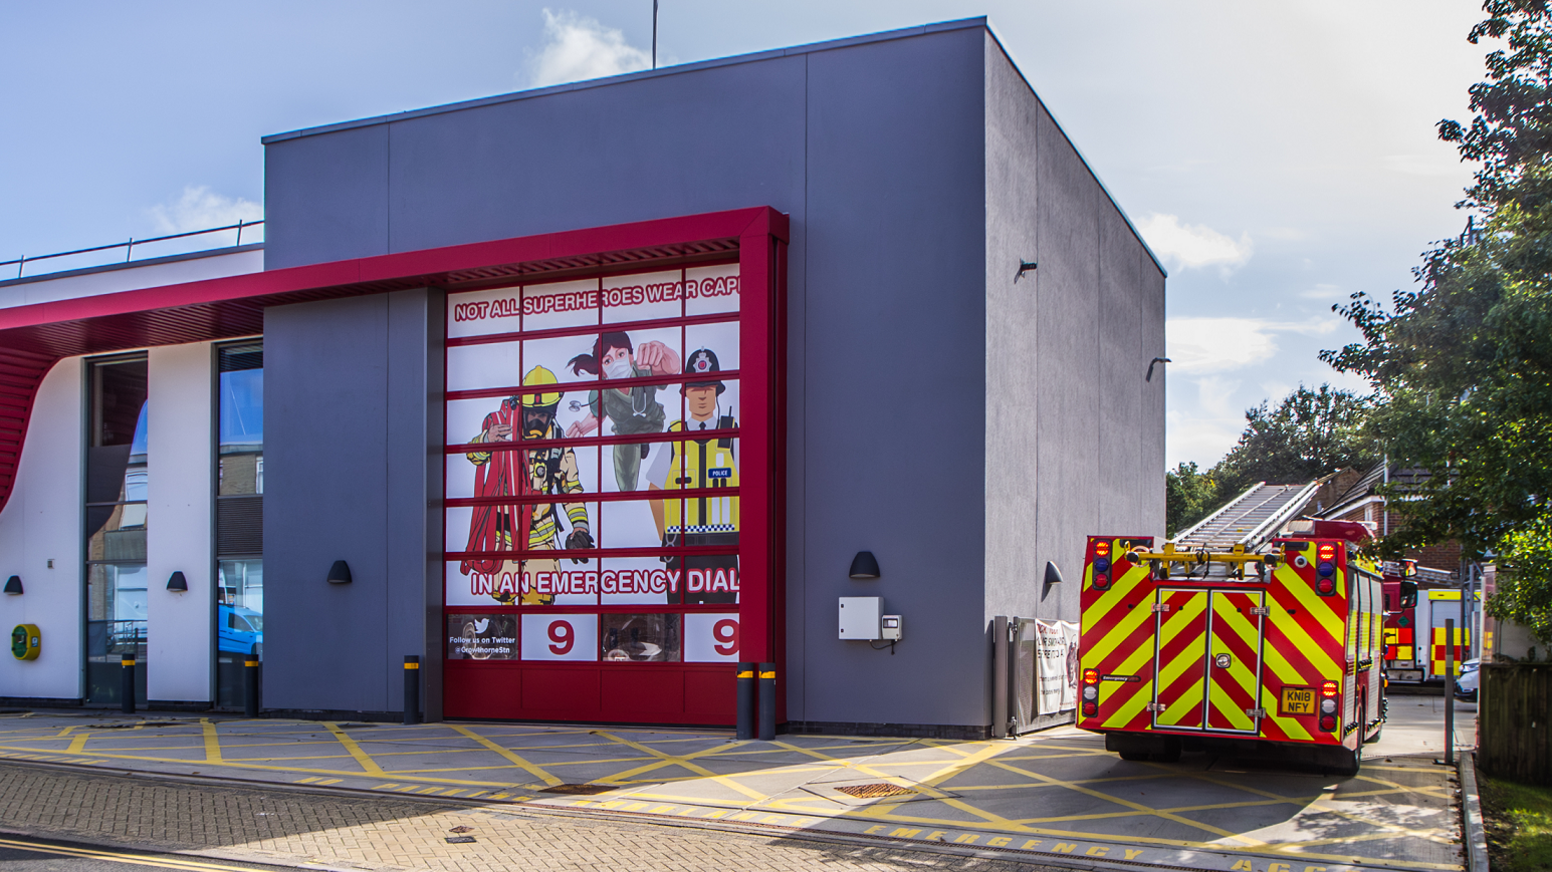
<point>241,630</point>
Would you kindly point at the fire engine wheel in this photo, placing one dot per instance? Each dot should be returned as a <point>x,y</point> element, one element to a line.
<point>1135,754</point>
<point>1169,752</point>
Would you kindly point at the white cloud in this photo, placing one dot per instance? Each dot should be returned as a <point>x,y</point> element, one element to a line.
<point>1446,164</point>
<point>1188,246</point>
<point>1323,292</point>
<point>200,208</point>
<point>578,48</point>
<point>1209,345</point>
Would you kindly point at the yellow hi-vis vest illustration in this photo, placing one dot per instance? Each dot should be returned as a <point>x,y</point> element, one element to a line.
<point>707,463</point>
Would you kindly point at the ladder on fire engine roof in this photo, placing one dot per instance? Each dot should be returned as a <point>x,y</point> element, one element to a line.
<point>1250,519</point>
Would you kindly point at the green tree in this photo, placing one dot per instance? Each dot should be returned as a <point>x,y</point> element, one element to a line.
<point>1310,433</point>
<point>1188,496</point>
<point>1463,364</point>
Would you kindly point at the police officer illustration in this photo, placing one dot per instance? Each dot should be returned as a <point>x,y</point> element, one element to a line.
<point>700,464</point>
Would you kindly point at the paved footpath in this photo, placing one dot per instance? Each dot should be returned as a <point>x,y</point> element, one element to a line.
<point>1052,798</point>
<point>289,827</point>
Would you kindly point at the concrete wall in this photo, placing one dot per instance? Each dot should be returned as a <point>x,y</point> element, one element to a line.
<point>40,524</point>
<point>348,388</point>
<point>1071,420</point>
<point>180,464</point>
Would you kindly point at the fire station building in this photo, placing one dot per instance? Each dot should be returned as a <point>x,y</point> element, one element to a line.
<point>584,395</point>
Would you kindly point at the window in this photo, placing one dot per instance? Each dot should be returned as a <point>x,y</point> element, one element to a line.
<point>116,522</point>
<point>239,516</point>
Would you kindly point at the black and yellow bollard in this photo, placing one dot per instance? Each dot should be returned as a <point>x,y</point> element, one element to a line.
<point>412,688</point>
<point>746,689</point>
<point>251,687</point>
<point>767,702</point>
<point>127,684</point>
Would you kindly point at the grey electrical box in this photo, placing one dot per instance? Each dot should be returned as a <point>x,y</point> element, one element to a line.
<point>892,627</point>
<point>860,617</point>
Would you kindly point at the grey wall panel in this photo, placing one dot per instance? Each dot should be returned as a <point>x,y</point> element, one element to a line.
<point>347,383</point>
<point>326,198</point>
<point>701,141</point>
<point>1013,571</point>
<point>1119,428</point>
<point>326,497</point>
<point>1067,342</point>
<point>1151,441</point>
<point>895,376</point>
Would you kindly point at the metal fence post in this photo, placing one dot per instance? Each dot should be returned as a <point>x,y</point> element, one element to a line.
<point>412,688</point>
<point>767,702</point>
<point>251,686</point>
<point>127,683</point>
<point>746,693</point>
<point>1000,677</point>
<point>1449,691</point>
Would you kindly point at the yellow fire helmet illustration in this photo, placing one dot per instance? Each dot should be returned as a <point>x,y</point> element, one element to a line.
<point>540,377</point>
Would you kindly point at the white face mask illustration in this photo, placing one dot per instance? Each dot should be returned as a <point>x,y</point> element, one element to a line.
<point>620,368</point>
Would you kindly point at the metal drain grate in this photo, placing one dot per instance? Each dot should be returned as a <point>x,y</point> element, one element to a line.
<point>875,790</point>
<point>579,789</point>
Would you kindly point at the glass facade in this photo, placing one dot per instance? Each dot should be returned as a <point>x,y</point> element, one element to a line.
<point>239,517</point>
<point>116,523</point>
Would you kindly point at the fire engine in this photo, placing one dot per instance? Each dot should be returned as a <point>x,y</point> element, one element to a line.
<point>1415,623</point>
<point>1235,633</point>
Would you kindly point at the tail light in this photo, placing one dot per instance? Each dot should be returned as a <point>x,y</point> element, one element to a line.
<point>1090,693</point>
<point>1325,587</point>
<point>1328,723</point>
<point>1101,581</point>
<point>1329,689</point>
<point>1091,676</point>
<point>1090,709</point>
<point>1102,564</point>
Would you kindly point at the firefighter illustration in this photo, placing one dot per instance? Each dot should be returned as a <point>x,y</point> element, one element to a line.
<point>533,526</point>
<point>633,409</point>
<point>700,464</point>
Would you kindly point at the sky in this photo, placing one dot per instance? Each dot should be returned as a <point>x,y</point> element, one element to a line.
<point>1276,156</point>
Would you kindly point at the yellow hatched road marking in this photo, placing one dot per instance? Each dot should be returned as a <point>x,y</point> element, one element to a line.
<point>368,765</point>
<point>671,760</point>
<point>212,741</point>
<point>531,768</point>
<point>78,743</point>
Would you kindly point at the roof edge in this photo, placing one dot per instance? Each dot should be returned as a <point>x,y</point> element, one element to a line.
<point>132,264</point>
<point>844,42</point>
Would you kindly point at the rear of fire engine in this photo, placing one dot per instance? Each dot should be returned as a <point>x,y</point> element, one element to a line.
<point>1265,643</point>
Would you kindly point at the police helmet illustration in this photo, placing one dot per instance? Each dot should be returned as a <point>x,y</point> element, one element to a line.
<point>703,362</point>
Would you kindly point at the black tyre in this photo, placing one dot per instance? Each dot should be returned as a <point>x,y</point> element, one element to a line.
<point>1135,755</point>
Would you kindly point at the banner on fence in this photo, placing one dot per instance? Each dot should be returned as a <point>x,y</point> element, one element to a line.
<point>1057,676</point>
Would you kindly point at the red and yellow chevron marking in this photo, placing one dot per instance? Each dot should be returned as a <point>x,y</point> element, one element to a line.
<point>1438,649</point>
<point>1147,640</point>
<point>1303,648</point>
<point>1117,637</point>
<point>1182,635</point>
<point>1234,658</point>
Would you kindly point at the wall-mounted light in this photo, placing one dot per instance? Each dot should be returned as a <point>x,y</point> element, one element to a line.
<point>864,565</point>
<point>1154,362</point>
<point>339,573</point>
<point>1053,575</point>
<point>1024,267</point>
<point>13,585</point>
<point>178,583</point>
